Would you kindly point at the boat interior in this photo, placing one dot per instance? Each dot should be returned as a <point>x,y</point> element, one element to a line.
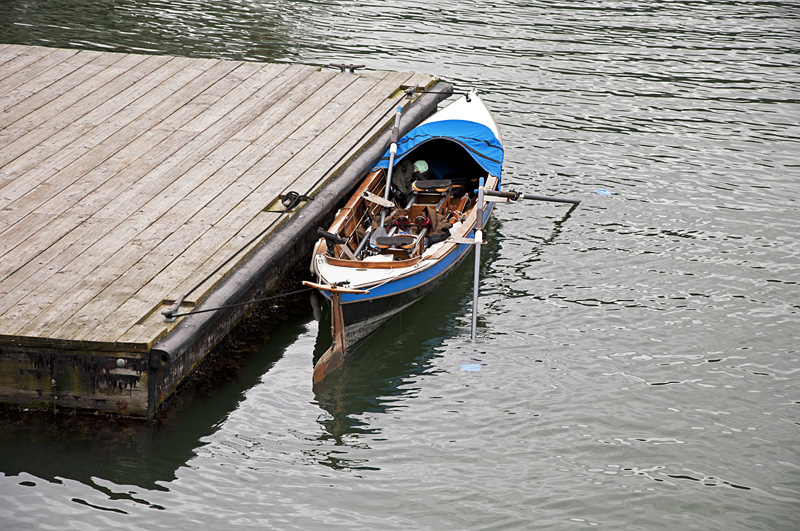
<point>438,200</point>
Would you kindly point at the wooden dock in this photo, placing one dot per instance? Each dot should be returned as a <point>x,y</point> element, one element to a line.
<point>125,180</point>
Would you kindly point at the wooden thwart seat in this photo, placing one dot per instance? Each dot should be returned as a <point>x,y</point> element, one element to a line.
<point>435,185</point>
<point>402,242</point>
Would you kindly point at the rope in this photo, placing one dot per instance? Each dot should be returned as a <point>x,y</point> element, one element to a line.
<point>245,303</point>
<point>170,314</point>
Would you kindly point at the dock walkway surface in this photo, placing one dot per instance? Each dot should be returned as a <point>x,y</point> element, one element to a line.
<point>125,180</point>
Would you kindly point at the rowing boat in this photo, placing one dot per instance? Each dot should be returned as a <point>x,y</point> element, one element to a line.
<point>389,246</point>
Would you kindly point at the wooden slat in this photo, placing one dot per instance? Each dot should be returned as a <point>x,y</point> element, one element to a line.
<point>16,285</point>
<point>110,79</point>
<point>69,284</point>
<point>151,188</point>
<point>307,169</point>
<point>113,175</point>
<point>105,247</point>
<point>60,187</point>
<point>52,259</point>
<point>157,146</point>
<point>23,115</point>
<point>392,83</point>
<point>116,152</point>
<point>22,119</point>
<point>228,242</point>
<point>306,121</point>
<point>102,298</point>
<point>48,138</point>
<point>106,171</point>
<point>9,52</point>
<point>322,119</point>
<point>307,146</point>
<point>34,90</point>
<point>26,61</point>
<point>225,201</point>
<point>195,259</point>
<point>202,188</point>
<point>124,179</point>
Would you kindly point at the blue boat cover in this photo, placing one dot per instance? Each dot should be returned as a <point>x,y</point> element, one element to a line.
<point>476,138</point>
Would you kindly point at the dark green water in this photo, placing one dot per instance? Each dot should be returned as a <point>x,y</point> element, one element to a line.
<point>639,354</point>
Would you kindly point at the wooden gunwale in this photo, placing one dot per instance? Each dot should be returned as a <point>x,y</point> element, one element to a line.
<point>361,264</point>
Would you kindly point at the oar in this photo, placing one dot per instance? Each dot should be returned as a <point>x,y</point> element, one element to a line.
<point>478,240</point>
<point>380,231</point>
<point>513,196</point>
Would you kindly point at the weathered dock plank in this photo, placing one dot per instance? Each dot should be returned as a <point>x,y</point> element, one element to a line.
<point>98,134</point>
<point>64,157</point>
<point>29,64</point>
<point>93,190</point>
<point>126,180</point>
<point>36,90</point>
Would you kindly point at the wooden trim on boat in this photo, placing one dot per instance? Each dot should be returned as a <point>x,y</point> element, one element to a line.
<point>364,264</point>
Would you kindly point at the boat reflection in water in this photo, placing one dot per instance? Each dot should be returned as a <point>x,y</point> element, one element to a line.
<point>385,370</point>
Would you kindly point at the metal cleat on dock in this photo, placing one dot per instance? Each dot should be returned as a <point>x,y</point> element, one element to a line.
<point>351,67</point>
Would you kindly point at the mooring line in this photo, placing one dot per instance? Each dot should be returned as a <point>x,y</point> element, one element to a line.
<point>170,315</point>
<point>255,301</point>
